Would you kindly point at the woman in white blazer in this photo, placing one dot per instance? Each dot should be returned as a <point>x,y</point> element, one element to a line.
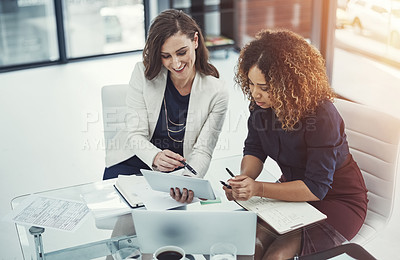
<point>176,104</point>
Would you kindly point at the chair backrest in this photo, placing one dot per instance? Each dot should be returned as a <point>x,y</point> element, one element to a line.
<point>114,109</point>
<point>373,138</point>
<point>113,98</point>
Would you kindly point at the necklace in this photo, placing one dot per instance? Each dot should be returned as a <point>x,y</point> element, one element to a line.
<point>183,125</point>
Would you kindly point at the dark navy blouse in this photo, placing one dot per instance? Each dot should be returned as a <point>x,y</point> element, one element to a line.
<point>311,152</point>
<point>177,107</point>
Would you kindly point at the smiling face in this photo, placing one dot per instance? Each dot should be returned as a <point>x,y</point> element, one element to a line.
<point>259,88</point>
<point>178,55</point>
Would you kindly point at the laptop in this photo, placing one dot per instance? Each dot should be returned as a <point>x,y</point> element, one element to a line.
<point>195,231</point>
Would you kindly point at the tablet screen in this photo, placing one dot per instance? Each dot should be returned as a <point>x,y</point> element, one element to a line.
<point>161,181</point>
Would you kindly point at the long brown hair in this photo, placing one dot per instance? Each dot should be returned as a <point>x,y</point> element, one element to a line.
<point>293,68</point>
<point>165,25</point>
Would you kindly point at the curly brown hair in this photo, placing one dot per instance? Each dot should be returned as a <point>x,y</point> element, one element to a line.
<point>166,24</point>
<point>294,69</point>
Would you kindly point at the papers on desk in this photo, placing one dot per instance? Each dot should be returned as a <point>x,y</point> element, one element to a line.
<point>108,202</point>
<point>51,213</point>
<point>105,202</point>
<point>127,186</point>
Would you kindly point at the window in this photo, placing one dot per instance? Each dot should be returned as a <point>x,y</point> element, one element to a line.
<point>29,34</point>
<point>102,27</point>
<point>256,15</point>
<point>367,44</point>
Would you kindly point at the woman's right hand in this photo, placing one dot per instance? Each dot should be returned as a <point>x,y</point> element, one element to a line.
<point>228,193</point>
<point>167,161</point>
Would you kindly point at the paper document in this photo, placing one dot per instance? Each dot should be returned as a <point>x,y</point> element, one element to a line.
<point>105,202</point>
<point>283,216</point>
<point>49,212</point>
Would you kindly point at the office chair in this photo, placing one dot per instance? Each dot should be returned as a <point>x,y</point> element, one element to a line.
<point>374,139</point>
<point>114,112</point>
<point>114,109</point>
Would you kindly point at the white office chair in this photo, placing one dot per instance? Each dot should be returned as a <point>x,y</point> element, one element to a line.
<point>374,139</point>
<point>114,109</point>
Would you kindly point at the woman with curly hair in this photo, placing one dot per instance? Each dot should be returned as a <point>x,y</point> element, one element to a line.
<point>293,121</point>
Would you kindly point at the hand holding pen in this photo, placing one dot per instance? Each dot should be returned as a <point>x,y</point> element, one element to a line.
<point>240,187</point>
<point>244,187</point>
<point>224,183</point>
<point>227,188</point>
<point>167,161</point>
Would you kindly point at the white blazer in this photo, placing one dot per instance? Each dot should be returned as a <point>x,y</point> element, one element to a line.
<point>206,114</point>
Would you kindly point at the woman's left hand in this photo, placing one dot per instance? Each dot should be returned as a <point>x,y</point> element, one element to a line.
<point>186,196</point>
<point>243,187</point>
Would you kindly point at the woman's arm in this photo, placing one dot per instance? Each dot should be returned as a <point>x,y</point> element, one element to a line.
<point>202,143</point>
<point>245,186</point>
<point>137,121</point>
<point>251,166</point>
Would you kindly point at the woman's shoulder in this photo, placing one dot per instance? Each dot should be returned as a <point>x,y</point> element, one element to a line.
<point>210,78</point>
<point>259,113</point>
<point>139,73</point>
<point>327,112</point>
<point>327,107</point>
<point>211,83</point>
<point>139,66</point>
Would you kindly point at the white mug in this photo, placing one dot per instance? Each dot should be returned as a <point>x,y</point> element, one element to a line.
<point>169,252</point>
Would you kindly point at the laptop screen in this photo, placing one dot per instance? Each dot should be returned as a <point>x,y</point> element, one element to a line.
<point>195,231</point>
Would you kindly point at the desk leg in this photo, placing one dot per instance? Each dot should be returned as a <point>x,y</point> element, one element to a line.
<point>82,252</point>
<point>37,236</point>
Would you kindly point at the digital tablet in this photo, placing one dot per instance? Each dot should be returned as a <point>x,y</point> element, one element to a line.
<point>161,181</point>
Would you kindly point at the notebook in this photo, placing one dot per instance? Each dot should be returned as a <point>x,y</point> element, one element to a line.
<point>125,185</point>
<point>195,231</point>
<point>283,216</point>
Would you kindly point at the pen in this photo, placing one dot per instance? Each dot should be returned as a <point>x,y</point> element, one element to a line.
<point>225,184</point>
<point>230,173</point>
<point>189,167</point>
